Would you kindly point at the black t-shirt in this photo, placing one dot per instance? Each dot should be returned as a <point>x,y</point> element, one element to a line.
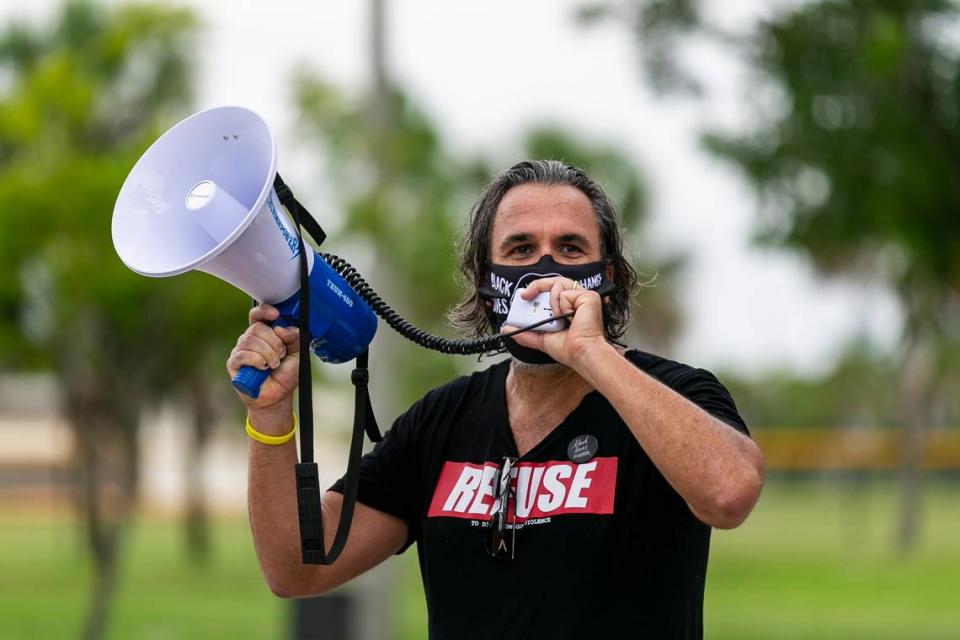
<point>603,548</point>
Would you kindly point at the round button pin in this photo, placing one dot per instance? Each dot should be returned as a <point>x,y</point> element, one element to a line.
<point>582,448</point>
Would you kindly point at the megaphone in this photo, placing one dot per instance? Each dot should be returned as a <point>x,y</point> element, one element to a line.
<point>205,196</point>
<point>202,198</point>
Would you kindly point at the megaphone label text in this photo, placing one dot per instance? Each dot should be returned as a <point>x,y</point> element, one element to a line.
<point>288,237</point>
<point>340,294</point>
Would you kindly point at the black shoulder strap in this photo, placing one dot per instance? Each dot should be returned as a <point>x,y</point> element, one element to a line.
<point>293,205</point>
<point>307,476</point>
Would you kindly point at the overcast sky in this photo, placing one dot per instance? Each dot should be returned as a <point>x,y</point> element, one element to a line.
<point>487,71</point>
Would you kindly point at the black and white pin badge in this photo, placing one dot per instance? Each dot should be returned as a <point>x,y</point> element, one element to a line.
<point>582,448</point>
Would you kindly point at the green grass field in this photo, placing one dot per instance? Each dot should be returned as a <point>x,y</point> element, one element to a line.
<point>814,561</point>
<point>818,562</point>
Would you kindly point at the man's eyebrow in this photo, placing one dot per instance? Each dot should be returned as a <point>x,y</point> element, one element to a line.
<point>518,238</point>
<point>515,238</point>
<point>574,237</point>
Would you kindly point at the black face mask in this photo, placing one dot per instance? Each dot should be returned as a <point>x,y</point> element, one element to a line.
<point>503,282</point>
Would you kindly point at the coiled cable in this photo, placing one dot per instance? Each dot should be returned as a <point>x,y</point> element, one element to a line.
<point>414,334</point>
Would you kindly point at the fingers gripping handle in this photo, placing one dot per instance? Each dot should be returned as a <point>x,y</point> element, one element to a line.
<point>248,379</point>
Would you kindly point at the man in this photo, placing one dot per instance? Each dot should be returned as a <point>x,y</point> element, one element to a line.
<point>567,491</point>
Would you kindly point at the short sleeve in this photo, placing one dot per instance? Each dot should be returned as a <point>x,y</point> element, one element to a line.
<point>699,386</point>
<point>389,475</point>
<point>704,390</point>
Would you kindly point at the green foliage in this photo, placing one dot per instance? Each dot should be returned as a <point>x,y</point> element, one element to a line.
<point>658,26</point>
<point>859,166</point>
<point>87,96</point>
<point>853,146</point>
<point>94,81</point>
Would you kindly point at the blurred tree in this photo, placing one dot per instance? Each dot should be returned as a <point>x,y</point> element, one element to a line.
<point>660,29</point>
<point>854,392</point>
<point>857,163</point>
<point>79,103</point>
<point>405,195</point>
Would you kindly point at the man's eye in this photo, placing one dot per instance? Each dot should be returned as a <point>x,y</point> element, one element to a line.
<point>570,248</point>
<point>522,249</point>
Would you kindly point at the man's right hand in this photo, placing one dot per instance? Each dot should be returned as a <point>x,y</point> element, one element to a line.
<point>266,347</point>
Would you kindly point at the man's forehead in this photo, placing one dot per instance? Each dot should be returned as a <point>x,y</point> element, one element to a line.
<point>535,197</point>
<point>536,209</point>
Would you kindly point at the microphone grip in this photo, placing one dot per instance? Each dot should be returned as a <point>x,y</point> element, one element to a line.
<point>248,379</point>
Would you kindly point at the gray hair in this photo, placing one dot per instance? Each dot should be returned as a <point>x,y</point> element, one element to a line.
<point>469,315</point>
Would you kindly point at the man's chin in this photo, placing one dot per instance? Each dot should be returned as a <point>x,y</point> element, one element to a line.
<point>545,369</point>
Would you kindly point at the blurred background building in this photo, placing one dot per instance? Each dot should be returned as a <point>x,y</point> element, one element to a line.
<point>788,172</point>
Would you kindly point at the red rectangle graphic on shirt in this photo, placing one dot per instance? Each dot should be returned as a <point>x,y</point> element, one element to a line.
<point>540,489</point>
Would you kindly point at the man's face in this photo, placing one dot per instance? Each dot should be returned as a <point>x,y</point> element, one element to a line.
<point>534,220</point>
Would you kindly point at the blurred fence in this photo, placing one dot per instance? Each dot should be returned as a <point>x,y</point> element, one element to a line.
<point>36,459</point>
<point>36,456</point>
<point>852,449</point>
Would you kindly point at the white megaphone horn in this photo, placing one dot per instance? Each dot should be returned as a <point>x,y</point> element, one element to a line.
<point>202,197</point>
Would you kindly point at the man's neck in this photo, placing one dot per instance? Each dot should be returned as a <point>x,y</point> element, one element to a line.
<point>545,385</point>
<point>539,397</point>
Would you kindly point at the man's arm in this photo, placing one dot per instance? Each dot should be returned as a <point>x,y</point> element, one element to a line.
<point>271,490</point>
<point>272,502</point>
<point>716,469</point>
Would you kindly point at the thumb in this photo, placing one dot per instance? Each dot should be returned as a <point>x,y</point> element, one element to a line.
<point>289,370</point>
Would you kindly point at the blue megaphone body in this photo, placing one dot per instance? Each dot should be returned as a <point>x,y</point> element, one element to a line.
<point>342,325</point>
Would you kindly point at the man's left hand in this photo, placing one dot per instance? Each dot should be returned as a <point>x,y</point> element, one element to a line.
<point>586,326</point>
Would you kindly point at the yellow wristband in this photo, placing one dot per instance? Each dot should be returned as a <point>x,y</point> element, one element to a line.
<point>272,440</point>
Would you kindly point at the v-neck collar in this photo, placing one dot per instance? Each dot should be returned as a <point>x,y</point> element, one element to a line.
<point>500,386</point>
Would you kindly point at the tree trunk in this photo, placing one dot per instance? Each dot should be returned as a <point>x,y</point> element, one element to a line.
<point>105,429</point>
<point>197,521</point>
<point>380,105</point>
<point>108,478</point>
<point>914,394</point>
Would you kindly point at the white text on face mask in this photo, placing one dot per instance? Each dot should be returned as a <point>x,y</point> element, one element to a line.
<point>592,282</point>
<point>501,285</point>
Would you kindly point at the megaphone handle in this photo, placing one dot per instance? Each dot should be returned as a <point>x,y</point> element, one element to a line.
<point>248,379</point>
